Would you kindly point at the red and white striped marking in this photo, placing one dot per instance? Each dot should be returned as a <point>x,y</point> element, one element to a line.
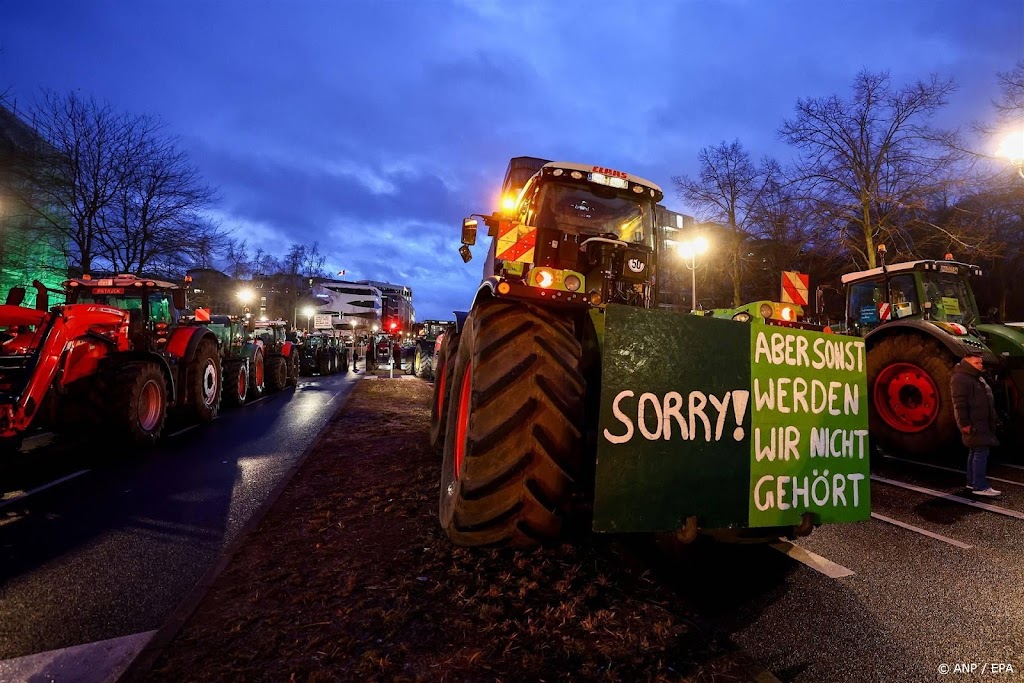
<point>794,287</point>
<point>884,311</point>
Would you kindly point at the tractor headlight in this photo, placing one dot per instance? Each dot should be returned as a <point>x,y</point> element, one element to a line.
<point>766,311</point>
<point>572,282</point>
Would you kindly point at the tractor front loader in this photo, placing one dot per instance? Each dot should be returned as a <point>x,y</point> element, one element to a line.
<point>565,393</point>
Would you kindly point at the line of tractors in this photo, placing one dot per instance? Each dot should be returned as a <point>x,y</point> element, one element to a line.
<point>123,355</point>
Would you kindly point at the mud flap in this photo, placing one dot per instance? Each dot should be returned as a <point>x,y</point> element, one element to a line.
<point>741,425</point>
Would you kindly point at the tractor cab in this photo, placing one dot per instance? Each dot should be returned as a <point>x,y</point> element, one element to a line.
<point>153,306</point>
<point>936,291</point>
<point>273,333</point>
<point>575,234</point>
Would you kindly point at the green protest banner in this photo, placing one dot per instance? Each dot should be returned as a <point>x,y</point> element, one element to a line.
<point>733,422</point>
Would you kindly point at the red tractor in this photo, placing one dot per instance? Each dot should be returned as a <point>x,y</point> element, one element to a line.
<point>113,357</point>
<point>282,354</point>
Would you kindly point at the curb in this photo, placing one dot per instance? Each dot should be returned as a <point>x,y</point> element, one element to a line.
<point>143,663</point>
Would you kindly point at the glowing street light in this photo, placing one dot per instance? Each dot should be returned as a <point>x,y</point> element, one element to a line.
<point>1012,148</point>
<point>309,312</point>
<point>691,249</point>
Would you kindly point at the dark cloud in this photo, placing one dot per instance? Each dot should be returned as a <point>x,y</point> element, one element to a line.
<point>373,128</point>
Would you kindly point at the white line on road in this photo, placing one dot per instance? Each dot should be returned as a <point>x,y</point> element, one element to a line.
<point>104,660</point>
<point>53,483</point>
<point>949,496</point>
<point>181,431</point>
<point>919,530</point>
<point>1006,464</point>
<point>952,469</point>
<point>812,560</point>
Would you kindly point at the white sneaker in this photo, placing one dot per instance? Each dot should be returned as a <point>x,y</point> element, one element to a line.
<point>989,492</point>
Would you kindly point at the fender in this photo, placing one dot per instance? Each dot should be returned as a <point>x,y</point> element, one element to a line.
<point>1003,339</point>
<point>185,340</point>
<point>923,327</point>
<point>486,290</point>
<point>286,349</point>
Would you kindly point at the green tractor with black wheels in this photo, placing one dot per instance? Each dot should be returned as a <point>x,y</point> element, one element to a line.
<point>564,393</point>
<point>918,319</point>
<point>241,355</point>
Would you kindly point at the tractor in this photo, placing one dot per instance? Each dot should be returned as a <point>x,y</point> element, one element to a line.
<point>117,354</point>
<point>282,354</point>
<point>418,355</point>
<point>242,355</point>
<point>918,319</point>
<point>322,353</point>
<point>563,393</point>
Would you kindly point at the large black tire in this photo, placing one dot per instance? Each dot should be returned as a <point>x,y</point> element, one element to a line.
<point>236,382</point>
<point>206,382</point>
<point>342,360</point>
<point>257,375</point>
<point>424,364</point>
<point>910,406</point>
<point>409,364</point>
<point>137,401</point>
<point>277,373</point>
<point>442,390</point>
<point>514,445</point>
<point>292,366</point>
<point>323,362</point>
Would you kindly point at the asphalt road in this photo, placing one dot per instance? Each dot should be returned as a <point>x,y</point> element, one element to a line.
<point>112,549</point>
<point>916,608</point>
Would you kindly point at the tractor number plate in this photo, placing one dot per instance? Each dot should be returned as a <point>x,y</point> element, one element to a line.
<point>108,290</point>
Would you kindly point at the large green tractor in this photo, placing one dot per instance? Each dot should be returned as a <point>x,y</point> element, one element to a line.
<point>565,393</point>
<point>918,319</point>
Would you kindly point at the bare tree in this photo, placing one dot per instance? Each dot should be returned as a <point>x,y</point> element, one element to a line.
<point>728,186</point>
<point>155,221</point>
<point>1010,105</point>
<point>236,253</point>
<point>872,161</point>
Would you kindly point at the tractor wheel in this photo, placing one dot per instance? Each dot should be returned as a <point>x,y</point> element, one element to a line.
<point>257,378</point>
<point>910,406</point>
<point>206,379</point>
<point>323,363</point>
<point>277,373</point>
<point>137,403</point>
<point>513,449</point>
<point>342,361</point>
<point>442,390</point>
<point>236,382</point>
<point>292,365</point>
<point>423,364</point>
<point>409,363</point>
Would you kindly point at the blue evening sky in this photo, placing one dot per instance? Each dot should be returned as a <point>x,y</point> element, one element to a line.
<point>374,127</point>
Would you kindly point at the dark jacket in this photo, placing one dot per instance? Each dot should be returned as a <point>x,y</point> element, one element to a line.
<point>973,406</point>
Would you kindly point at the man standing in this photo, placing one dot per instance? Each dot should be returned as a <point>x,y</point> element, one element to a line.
<point>975,412</point>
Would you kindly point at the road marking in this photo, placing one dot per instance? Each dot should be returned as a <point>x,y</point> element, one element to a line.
<point>53,483</point>
<point>951,469</point>
<point>919,530</point>
<point>181,431</point>
<point>103,660</point>
<point>949,496</point>
<point>1005,464</point>
<point>812,560</point>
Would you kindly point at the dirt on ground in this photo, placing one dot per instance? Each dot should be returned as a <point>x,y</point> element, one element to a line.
<point>350,578</point>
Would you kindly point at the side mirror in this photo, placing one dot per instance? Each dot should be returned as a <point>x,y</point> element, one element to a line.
<point>469,231</point>
<point>178,299</point>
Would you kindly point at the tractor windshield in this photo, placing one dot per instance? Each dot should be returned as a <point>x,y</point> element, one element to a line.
<point>161,309</point>
<point>590,209</point>
<point>951,298</point>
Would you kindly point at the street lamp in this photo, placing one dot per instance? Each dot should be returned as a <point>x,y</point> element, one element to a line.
<point>691,249</point>
<point>245,297</point>
<point>1012,148</point>
<point>309,312</point>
